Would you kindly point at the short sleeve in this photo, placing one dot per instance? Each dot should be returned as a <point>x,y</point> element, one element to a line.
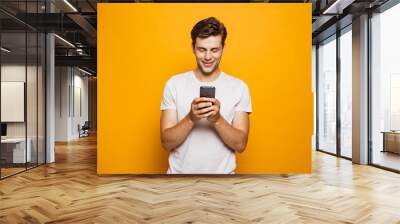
<point>169,96</point>
<point>244,103</point>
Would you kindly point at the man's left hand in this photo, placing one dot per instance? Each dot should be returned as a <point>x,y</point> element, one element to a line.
<point>213,114</point>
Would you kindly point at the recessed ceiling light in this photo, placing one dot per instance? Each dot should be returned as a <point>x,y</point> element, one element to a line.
<point>84,71</point>
<point>337,7</point>
<point>70,5</point>
<point>64,40</point>
<point>5,50</point>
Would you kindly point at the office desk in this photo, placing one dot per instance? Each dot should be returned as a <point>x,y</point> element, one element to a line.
<point>391,141</point>
<point>13,150</point>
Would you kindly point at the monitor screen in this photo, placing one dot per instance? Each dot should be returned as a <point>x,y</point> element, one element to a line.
<point>3,129</point>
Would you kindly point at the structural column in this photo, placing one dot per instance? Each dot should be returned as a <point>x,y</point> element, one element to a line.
<point>50,92</point>
<point>360,90</point>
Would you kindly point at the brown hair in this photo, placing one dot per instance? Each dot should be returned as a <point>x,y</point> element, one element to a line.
<point>210,26</point>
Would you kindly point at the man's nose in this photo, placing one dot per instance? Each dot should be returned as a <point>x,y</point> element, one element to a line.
<point>208,55</point>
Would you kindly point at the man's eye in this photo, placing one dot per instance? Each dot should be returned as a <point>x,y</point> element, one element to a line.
<point>215,50</point>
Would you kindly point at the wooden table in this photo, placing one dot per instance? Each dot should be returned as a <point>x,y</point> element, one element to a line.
<point>13,150</point>
<point>391,141</point>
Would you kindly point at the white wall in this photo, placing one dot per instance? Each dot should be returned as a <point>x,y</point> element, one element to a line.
<point>82,82</point>
<point>62,78</point>
<point>12,73</point>
<point>71,87</point>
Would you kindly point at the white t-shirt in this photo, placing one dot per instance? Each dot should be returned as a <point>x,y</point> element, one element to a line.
<point>203,151</point>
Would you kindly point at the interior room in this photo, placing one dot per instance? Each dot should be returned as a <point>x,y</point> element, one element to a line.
<point>71,151</point>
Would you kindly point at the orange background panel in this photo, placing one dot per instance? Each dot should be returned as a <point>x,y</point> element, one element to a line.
<point>141,45</point>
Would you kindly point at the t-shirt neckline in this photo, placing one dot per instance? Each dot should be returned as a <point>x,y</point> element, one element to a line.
<point>206,83</point>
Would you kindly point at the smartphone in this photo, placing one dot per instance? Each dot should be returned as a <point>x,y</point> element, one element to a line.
<point>207,91</point>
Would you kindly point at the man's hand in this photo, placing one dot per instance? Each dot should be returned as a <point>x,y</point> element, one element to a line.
<point>233,135</point>
<point>200,108</point>
<point>213,115</point>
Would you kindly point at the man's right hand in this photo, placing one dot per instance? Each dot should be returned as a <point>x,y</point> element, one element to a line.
<point>199,108</point>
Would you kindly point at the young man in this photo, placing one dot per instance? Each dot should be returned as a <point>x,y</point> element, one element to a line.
<point>202,134</point>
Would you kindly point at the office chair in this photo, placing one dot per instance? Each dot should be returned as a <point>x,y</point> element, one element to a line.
<point>84,130</point>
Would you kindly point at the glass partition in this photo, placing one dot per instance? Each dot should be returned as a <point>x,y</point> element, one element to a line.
<point>32,95</point>
<point>22,88</point>
<point>14,153</point>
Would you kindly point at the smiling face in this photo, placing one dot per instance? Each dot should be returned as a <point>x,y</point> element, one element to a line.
<point>208,52</point>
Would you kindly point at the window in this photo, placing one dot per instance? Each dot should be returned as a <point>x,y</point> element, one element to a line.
<point>327,95</point>
<point>346,93</point>
<point>385,88</point>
